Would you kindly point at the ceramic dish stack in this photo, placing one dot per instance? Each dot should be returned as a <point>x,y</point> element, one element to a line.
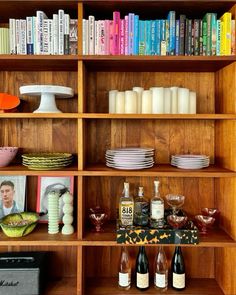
<point>190,161</point>
<point>130,158</point>
<point>47,161</point>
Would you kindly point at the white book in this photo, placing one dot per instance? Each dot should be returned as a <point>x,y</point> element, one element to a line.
<point>85,36</point>
<point>45,36</point>
<point>40,16</point>
<point>23,49</point>
<point>66,33</point>
<point>29,35</point>
<point>18,36</point>
<point>34,33</point>
<point>50,37</point>
<point>55,33</point>
<point>61,31</point>
<point>91,25</point>
<point>12,35</point>
<point>96,50</point>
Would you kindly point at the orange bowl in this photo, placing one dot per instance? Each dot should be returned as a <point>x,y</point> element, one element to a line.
<point>8,101</point>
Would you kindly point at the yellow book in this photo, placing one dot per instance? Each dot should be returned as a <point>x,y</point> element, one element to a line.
<point>226,33</point>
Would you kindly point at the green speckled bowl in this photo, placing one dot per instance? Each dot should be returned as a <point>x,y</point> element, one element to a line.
<point>16,231</point>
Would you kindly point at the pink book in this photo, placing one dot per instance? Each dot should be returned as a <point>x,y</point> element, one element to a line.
<point>126,35</point>
<point>122,36</point>
<point>111,37</point>
<point>116,32</point>
<point>107,36</point>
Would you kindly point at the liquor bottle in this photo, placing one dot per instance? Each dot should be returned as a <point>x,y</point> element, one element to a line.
<point>161,270</point>
<point>126,207</point>
<point>142,270</point>
<point>141,209</point>
<point>157,208</point>
<point>124,270</point>
<point>178,270</point>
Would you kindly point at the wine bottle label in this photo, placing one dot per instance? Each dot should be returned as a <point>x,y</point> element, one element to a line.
<point>157,210</point>
<point>142,280</point>
<point>126,213</point>
<point>124,280</point>
<point>178,280</point>
<point>160,280</point>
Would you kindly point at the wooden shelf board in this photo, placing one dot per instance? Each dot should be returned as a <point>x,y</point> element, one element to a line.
<point>40,237</point>
<point>100,286</point>
<point>215,238</point>
<point>61,286</point>
<point>22,170</point>
<point>38,62</point>
<point>157,63</point>
<point>159,116</point>
<point>161,170</point>
<point>38,115</point>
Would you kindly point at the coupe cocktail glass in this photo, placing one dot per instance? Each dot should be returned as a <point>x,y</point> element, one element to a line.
<point>175,202</point>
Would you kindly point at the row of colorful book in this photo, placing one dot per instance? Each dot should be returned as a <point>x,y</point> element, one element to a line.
<point>183,36</point>
<point>41,35</point>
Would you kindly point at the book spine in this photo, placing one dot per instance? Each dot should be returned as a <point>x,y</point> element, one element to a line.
<point>158,37</point>
<point>45,37</point>
<point>233,49</point>
<point>136,34</point>
<point>182,24</point>
<point>131,33</point>
<point>116,32</point>
<point>66,34</point>
<point>55,32</point>
<point>126,35</point>
<point>40,16</point>
<point>29,35</point>
<point>122,36</point>
<point>141,37</point>
<point>73,36</point>
<point>213,33</point>
<point>102,37</point>
<point>84,33</point>
<point>209,34</point>
<point>17,36</point>
<point>196,36</point>
<point>201,37</point>
<point>148,37</point>
<point>163,37</point>
<point>177,37</point>
<point>12,32</point>
<point>218,37</point>
<point>153,38</point>
<point>91,24</point>
<point>50,37</point>
<point>227,24</point>
<point>171,19</point>
<point>23,49</point>
<point>167,23</point>
<point>204,36</point>
<point>96,35</point>
<point>107,36</point>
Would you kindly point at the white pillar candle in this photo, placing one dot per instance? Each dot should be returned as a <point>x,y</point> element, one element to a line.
<point>112,101</point>
<point>183,100</point>
<point>157,100</point>
<point>130,102</point>
<point>167,100</point>
<point>147,102</point>
<point>192,102</point>
<point>174,100</point>
<point>139,91</point>
<point>120,102</point>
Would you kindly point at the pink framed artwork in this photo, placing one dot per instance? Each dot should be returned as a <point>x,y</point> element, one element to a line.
<point>46,184</point>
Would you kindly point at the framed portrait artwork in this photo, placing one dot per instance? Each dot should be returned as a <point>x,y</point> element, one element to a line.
<point>12,190</point>
<point>47,184</point>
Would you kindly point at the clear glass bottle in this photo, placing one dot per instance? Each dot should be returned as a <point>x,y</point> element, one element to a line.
<point>124,270</point>
<point>178,270</point>
<point>161,270</point>
<point>126,207</point>
<point>142,270</point>
<point>157,208</point>
<point>141,209</point>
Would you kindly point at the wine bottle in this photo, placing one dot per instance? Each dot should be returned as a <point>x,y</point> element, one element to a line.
<point>178,270</point>
<point>161,270</point>
<point>126,207</point>
<point>157,208</point>
<point>124,270</point>
<point>142,270</point>
<point>141,209</point>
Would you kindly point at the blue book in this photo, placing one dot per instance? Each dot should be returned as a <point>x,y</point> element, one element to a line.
<point>131,33</point>
<point>158,37</point>
<point>153,37</point>
<point>148,37</point>
<point>177,40</point>
<point>141,47</point>
<point>136,35</point>
<point>171,20</point>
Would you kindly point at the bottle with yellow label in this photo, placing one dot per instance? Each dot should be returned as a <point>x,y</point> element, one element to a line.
<point>126,207</point>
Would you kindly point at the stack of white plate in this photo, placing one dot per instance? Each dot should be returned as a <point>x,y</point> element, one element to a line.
<point>190,161</point>
<point>130,158</point>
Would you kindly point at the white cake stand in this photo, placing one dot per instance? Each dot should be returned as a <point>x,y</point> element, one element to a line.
<point>47,93</point>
